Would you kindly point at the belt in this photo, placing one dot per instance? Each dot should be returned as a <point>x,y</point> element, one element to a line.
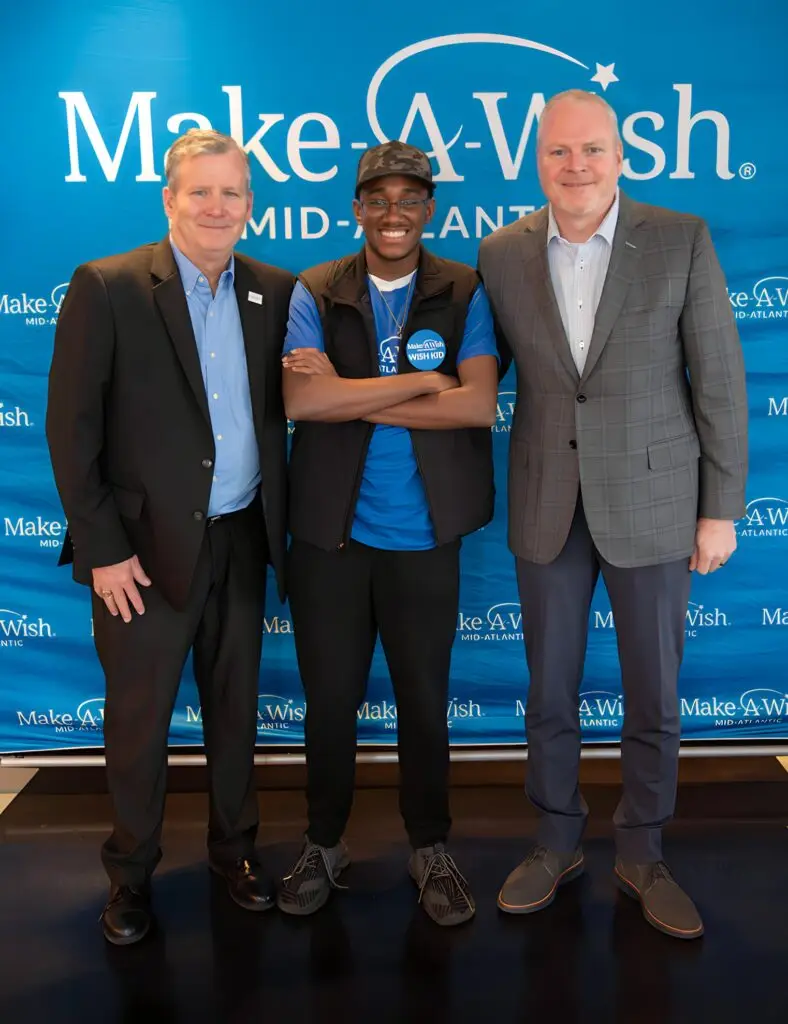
<point>212,520</point>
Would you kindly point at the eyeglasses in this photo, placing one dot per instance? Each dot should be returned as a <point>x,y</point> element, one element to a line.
<point>378,207</point>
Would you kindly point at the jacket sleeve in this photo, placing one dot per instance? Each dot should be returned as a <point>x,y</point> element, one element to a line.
<point>502,343</point>
<point>713,355</point>
<point>79,382</point>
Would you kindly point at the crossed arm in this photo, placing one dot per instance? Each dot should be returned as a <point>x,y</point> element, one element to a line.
<point>420,401</point>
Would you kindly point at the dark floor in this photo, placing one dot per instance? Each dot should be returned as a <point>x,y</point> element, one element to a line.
<point>372,956</point>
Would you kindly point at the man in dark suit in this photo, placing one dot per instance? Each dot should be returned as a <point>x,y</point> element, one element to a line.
<point>628,457</point>
<point>168,441</point>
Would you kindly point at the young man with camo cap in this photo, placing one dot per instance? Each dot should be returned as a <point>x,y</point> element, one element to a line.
<point>390,374</point>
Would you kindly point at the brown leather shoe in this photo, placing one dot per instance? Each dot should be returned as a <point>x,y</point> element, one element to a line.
<point>665,905</point>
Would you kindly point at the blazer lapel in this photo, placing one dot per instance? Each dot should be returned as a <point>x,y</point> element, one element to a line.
<point>170,298</point>
<point>622,271</point>
<point>539,284</point>
<point>251,306</point>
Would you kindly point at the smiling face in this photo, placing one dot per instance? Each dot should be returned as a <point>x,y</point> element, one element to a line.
<point>392,233</point>
<point>208,204</point>
<point>579,159</point>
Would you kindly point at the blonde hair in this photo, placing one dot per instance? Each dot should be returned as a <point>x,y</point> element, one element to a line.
<point>201,142</point>
<point>580,96</point>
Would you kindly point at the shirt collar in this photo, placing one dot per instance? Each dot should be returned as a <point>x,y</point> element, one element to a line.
<point>606,229</point>
<point>190,274</point>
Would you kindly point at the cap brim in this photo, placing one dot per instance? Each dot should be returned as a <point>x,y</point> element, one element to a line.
<point>393,174</point>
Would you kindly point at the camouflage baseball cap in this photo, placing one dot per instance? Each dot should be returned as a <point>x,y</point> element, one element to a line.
<point>393,158</point>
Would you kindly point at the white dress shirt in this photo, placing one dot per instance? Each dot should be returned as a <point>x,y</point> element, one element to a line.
<point>578,271</point>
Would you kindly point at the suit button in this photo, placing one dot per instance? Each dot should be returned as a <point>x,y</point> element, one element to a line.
<point>581,398</point>
<point>199,516</point>
<point>573,445</point>
<point>207,463</point>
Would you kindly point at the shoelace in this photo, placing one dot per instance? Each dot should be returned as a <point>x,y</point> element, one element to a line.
<point>441,865</point>
<point>658,871</point>
<point>538,853</point>
<point>311,858</point>
<point>123,890</point>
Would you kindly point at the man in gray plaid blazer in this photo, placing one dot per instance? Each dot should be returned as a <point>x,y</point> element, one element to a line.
<point>628,457</point>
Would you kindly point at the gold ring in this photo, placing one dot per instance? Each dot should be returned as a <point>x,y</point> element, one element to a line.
<point>106,593</point>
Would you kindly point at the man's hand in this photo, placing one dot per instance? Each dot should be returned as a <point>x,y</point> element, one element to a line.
<point>116,585</point>
<point>308,360</point>
<point>715,542</point>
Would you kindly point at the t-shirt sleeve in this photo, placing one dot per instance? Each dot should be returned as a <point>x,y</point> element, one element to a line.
<point>479,336</point>
<point>304,329</point>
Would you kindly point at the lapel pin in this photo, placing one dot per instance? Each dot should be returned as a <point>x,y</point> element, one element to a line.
<point>256,297</point>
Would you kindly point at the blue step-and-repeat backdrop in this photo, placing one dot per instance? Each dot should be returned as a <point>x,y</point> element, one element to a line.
<point>94,94</point>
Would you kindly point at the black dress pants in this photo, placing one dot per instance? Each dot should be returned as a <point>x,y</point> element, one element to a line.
<point>340,601</point>
<point>143,661</point>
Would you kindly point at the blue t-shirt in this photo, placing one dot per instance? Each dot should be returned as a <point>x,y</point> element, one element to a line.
<point>392,510</point>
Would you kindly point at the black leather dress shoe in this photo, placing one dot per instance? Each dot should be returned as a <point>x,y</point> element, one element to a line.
<point>127,917</point>
<point>246,883</point>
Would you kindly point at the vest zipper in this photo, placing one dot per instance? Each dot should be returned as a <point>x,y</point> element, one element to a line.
<point>355,492</point>
<point>430,508</point>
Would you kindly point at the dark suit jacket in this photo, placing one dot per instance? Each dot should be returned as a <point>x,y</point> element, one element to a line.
<point>127,421</point>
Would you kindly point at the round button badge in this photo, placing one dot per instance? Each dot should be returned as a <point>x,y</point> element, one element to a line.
<point>425,350</point>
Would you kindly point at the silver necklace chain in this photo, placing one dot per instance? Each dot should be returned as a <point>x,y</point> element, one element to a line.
<point>398,326</point>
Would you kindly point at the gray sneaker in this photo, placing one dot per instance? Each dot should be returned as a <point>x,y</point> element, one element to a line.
<point>443,892</point>
<point>533,884</point>
<point>314,875</point>
<point>665,905</point>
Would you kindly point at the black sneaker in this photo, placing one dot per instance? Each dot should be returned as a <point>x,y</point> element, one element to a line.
<point>309,884</point>
<point>443,892</point>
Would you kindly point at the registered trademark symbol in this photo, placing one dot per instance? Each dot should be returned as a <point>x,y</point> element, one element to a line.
<point>747,171</point>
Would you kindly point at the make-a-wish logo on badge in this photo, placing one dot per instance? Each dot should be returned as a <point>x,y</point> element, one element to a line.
<point>425,350</point>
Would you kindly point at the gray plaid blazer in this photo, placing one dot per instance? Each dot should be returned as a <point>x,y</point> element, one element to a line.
<point>654,432</point>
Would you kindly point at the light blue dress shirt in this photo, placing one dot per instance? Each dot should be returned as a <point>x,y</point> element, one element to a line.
<point>578,271</point>
<point>220,345</point>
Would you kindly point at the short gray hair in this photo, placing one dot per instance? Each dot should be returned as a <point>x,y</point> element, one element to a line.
<point>201,142</point>
<point>580,96</point>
